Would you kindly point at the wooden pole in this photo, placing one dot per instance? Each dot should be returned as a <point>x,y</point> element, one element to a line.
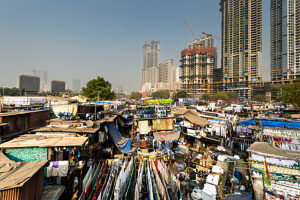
<point>95,112</point>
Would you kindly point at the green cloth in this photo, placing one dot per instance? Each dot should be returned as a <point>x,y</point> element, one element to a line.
<point>266,179</point>
<point>128,192</point>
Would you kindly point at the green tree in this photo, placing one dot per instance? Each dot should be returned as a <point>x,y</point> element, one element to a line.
<point>9,91</point>
<point>161,94</point>
<point>206,97</point>
<point>220,96</point>
<point>291,94</point>
<point>98,88</point>
<point>180,94</point>
<point>271,88</point>
<point>260,98</point>
<point>226,96</point>
<point>232,96</point>
<point>44,93</point>
<point>135,95</point>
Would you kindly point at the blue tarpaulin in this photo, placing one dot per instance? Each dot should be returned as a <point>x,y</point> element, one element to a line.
<point>125,119</point>
<point>272,123</point>
<point>247,196</point>
<point>122,143</point>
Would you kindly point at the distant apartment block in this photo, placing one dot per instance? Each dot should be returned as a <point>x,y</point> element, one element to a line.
<point>241,45</point>
<point>168,76</point>
<point>157,76</point>
<point>76,85</point>
<point>166,72</point>
<point>44,81</point>
<point>285,39</point>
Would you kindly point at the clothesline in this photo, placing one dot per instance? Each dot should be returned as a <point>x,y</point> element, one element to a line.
<point>250,160</point>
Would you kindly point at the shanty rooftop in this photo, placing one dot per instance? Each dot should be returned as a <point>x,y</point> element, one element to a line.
<point>73,126</point>
<point>43,140</point>
<point>151,118</point>
<point>107,119</point>
<point>179,110</point>
<point>110,119</point>
<point>67,128</point>
<point>195,118</point>
<point>265,148</point>
<point>19,113</point>
<point>15,174</point>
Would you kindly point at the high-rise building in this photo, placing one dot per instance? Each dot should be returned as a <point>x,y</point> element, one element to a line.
<point>165,71</point>
<point>155,53</point>
<point>147,56</point>
<point>76,85</point>
<point>44,86</point>
<point>285,39</point>
<point>241,45</point>
<point>168,76</point>
<point>157,76</point>
<point>150,65</point>
<point>197,64</point>
<point>207,42</point>
<point>44,80</point>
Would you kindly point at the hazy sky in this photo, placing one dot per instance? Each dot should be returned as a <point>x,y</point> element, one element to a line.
<point>84,39</point>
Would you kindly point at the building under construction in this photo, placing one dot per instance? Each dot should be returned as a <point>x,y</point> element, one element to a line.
<point>241,45</point>
<point>197,67</point>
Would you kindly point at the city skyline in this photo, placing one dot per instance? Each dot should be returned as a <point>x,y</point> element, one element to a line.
<point>77,41</point>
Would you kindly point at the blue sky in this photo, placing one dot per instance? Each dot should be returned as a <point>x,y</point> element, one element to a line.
<point>84,39</point>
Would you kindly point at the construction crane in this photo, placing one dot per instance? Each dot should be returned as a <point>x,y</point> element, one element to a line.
<point>210,35</point>
<point>191,30</point>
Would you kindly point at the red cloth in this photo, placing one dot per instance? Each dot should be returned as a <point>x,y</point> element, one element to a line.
<point>156,165</point>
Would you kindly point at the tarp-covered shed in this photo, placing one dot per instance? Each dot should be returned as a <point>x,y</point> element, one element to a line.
<point>195,119</point>
<point>267,149</point>
<point>20,180</point>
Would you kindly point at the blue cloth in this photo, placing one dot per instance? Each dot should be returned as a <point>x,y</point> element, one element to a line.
<point>122,143</point>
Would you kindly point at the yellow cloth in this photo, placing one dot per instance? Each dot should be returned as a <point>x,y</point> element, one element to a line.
<point>65,108</point>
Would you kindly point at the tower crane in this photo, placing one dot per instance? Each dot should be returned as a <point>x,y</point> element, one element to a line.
<point>210,35</point>
<point>187,25</point>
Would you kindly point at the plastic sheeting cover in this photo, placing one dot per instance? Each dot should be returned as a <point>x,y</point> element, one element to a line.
<point>122,143</point>
<point>273,123</point>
